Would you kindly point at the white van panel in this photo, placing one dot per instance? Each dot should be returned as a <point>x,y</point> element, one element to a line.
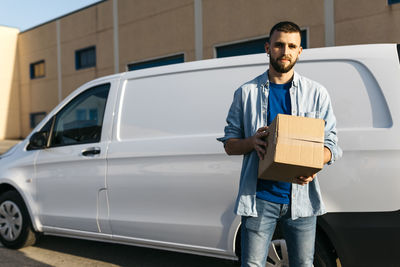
<point>186,200</point>
<point>356,96</point>
<point>172,154</point>
<point>190,113</point>
<point>362,181</point>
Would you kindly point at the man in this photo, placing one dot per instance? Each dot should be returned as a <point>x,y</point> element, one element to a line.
<point>263,203</point>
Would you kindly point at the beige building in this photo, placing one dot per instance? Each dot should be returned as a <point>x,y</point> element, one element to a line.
<point>42,65</point>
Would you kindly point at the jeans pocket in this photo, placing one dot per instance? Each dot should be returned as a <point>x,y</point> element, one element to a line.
<point>253,223</point>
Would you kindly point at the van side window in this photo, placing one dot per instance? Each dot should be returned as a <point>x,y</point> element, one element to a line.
<point>81,120</point>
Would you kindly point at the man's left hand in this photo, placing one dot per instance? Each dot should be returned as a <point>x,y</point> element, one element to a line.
<point>303,180</point>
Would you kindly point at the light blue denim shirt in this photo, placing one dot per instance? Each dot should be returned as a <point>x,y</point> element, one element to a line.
<point>248,113</point>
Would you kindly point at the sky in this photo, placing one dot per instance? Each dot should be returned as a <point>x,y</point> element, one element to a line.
<point>25,14</point>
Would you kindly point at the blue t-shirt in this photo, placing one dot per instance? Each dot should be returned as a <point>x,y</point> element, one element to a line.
<point>278,103</point>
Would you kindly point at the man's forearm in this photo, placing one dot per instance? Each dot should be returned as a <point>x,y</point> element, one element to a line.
<point>236,146</point>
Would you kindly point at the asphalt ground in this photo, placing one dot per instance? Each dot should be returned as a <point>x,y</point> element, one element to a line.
<point>68,252</point>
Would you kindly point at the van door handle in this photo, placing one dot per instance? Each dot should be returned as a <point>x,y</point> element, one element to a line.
<point>91,151</point>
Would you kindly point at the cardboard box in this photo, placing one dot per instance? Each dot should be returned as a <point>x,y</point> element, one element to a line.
<point>295,148</point>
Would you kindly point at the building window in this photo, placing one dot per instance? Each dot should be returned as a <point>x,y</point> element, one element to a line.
<point>36,118</point>
<point>37,69</point>
<point>391,2</point>
<point>250,47</point>
<point>157,62</point>
<point>85,58</point>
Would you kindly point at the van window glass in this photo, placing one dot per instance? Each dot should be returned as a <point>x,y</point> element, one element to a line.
<point>81,120</point>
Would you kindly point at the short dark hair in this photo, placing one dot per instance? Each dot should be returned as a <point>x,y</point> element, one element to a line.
<point>285,26</point>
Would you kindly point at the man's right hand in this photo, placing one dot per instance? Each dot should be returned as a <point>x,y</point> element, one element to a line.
<point>256,142</point>
<point>259,141</point>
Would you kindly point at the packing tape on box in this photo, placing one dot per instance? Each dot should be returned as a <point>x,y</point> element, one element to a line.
<point>288,140</point>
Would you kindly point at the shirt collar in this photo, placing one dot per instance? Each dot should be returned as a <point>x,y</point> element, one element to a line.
<point>265,80</point>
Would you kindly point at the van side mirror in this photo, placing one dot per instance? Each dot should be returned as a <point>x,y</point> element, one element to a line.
<point>38,141</point>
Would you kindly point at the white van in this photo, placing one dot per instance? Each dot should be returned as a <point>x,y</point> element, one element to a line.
<point>132,158</point>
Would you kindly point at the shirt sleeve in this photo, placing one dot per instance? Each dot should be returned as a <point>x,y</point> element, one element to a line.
<point>234,127</point>
<point>331,140</point>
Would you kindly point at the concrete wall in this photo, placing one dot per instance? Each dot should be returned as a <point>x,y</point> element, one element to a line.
<point>226,21</point>
<point>157,28</point>
<point>363,22</point>
<point>9,86</point>
<point>40,94</point>
<point>89,27</point>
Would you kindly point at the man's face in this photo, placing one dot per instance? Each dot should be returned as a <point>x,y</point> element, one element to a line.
<point>284,49</point>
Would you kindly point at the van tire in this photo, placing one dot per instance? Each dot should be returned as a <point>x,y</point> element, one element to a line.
<point>16,229</point>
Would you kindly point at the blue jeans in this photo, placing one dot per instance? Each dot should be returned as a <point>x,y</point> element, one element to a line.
<point>257,233</point>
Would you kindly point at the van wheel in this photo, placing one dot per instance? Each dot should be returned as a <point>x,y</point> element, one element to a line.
<point>15,225</point>
<point>277,254</point>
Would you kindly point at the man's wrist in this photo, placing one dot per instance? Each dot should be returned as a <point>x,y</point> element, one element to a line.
<point>327,155</point>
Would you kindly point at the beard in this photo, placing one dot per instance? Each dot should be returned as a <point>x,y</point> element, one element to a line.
<point>280,67</point>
